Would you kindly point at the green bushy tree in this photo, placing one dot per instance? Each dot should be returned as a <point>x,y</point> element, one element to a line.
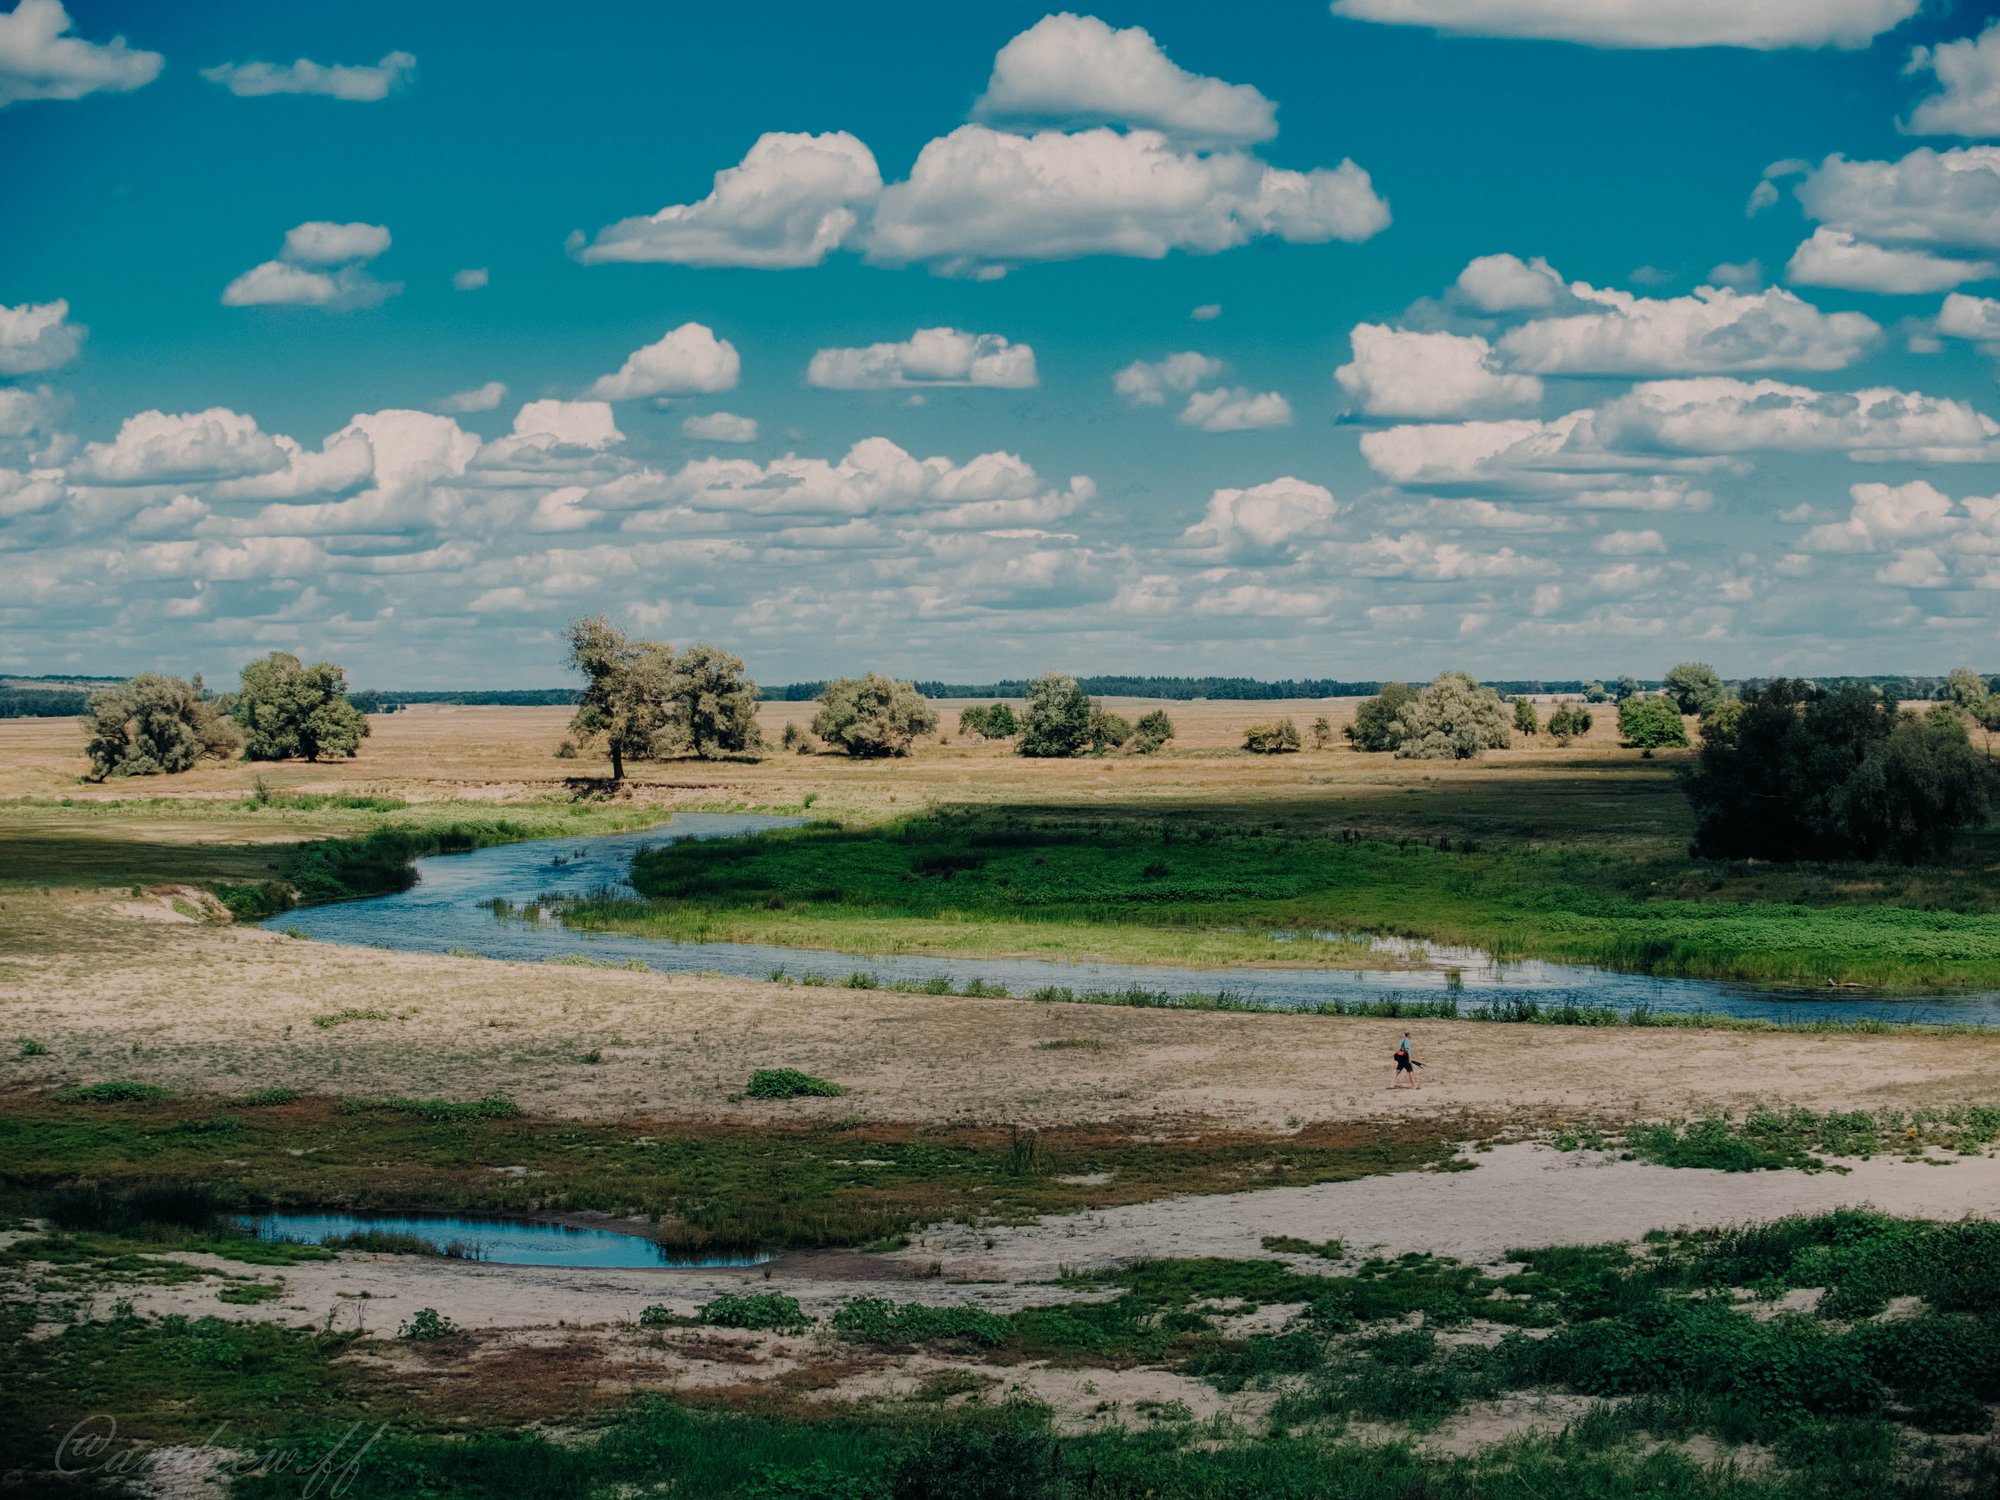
<point>1152,732</point>
<point>152,725</point>
<point>1281,738</point>
<point>995,721</point>
<point>1322,732</point>
<point>1376,724</point>
<point>1569,721</point>
<point>1057,723</point>
<point>714,706</point>
<point>1795,772</point>
<point>1453,718</point>
<point>1694,687</point>
<point>1108,730</point>
<point>1525,721</point>
<point>1651,723</point>
<point>290,711</point>
<point>873,715</point>
<point>626,688</point>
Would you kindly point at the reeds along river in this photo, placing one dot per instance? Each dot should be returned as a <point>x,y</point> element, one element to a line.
<point>492,902</point>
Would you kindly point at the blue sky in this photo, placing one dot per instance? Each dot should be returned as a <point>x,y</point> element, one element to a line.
<point>1526,346</point>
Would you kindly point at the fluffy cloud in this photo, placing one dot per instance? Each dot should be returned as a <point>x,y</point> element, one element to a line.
<point>720,427</point>
<point>1834,257</point>
<point>1475,452</point>
<point>1630,543</point>
<point>1713,330</point>
<point>930,356</point>
<point>1884,516</point>
<point>345,462</point>
<point>1148,382</point>
<point>1765,26</point>
<point>576,424</point>
<point>37,336</point>
<point>1236,409</point>
<point>791,202</point>
<point>978,200</point>
<point>1071,69</point>
<point>1265,520</point>
<point>1396,373</point>
<point>479,398</point>
<point>1968,98</point>
<point>471,279</point>
<point>1506,283</point>
<point>157,448</point>
<point>1929,197</point>
<point>686,361</point>
<point>38,62</point>
<point>358,84</point>
<point>1713,415</point>
<point>320,265</point>
<point>1964,317</point>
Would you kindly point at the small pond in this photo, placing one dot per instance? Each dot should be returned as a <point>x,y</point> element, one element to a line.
<point>512,1242</point>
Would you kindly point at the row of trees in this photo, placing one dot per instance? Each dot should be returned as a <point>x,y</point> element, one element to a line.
<point>154,725</point>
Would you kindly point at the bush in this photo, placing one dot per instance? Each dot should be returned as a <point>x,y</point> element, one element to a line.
<point>1152,731</point>
<point>876,1320</point>
<point>154,726</point>
<point>289,711</point>
<point>1651,723</point>
<point>426,1324</point>
<point>656,1315</point>
<point>789,1083</point>
<point>1376,725</point>
<point>1281,738</point>
<point>113,1091</point>
<point>1057,724</point>
<point>872,716</point>
<point>963,1462</point>
<point>1453,718</point>
<point>1108,730</point>
<point>1693,687</point>
<point>1569,721</point>
<point>1791,772</point>
<point>994,722</point>
<point>765,1311</point>
<point>1525,721</point>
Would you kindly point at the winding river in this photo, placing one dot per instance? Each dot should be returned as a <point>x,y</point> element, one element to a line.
<point>451,908</point>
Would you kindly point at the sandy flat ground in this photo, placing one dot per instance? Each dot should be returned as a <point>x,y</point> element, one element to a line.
<point>129,988</point>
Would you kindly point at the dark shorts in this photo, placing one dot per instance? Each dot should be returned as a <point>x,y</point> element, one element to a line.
<point>1403,1063</point>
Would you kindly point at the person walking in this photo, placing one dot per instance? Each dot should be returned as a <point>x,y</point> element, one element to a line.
<point>1405,1063</point>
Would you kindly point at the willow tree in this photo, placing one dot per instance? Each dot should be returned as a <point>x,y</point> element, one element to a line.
<point>627,694</point>
<point>153,726</point>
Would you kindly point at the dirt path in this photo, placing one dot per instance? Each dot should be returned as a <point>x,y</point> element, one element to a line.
<point>121,987</point>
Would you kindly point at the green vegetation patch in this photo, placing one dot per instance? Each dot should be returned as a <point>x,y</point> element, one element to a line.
<point>789,1083</point>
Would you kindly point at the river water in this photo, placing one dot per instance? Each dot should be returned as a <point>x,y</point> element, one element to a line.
<point>513,1242</point>
<point>451,907</point>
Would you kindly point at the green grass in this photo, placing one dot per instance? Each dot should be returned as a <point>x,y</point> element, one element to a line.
<point>789,1083</point>
<point>1136,884</point>
<point>1800,1139</point>
<point>714,1186</point>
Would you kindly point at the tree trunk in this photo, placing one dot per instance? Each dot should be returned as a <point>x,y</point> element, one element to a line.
<point>617,761</point>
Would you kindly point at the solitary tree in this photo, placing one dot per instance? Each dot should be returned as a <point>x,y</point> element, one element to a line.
<point>152,726</point>
<point>289,711</point>
<point>1525,721</point>
<point>1651,723</point>
<point>1453,718</point>
<point>1108,730</point>
<point>993,722</point>
<point>1694,687</point>
<point>1569,721</point>
<point>872,715</point>
<point>1322,732</point>
<point>1152,731</point>
<point>714,706</point>
<point>1057,723</point>
<point>626,690</point>
<point>1375,725</point>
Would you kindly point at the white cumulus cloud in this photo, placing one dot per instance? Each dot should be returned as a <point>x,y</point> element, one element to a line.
<point>156,447</point>
<point>1964,317</point>
<point>791,202</point>
<point>38,62</point>
<point>321,264</point>
<point>720,427</point>
<point>1715,329</point>
<point>979,200</point>
<point>1071,69</point>
<point>1765,25</point>
<point>930,356</point>
<point>1506,283</point>
<point>1717,415</point>
<point>479,398</point>
<point>1397,373</point>
<point>471,279</point>
<point>1264,520</point>
<point>1968,97</point>
<point>361,83</point>
<point>1949,197</point>
<point>1835,258</point>
<point>1236,409</point>
<point>37,336</point>
<point>1147,382</point>
<point>687,360</point>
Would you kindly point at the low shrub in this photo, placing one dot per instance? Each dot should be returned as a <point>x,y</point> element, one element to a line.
<point>876,1320</point>
<point>766,1311</point>
<point>789,1083</point>
<point>427,1324</point>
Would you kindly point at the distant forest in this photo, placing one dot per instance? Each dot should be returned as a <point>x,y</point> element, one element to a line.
<point>55,697</point>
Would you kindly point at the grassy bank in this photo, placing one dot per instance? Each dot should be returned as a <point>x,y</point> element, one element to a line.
<point>1135,885</point>
<point>842,1185</point>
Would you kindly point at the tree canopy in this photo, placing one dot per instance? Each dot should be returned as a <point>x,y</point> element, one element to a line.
<point>1694,687</point>
<point>290,711</point>
<point>994,721</point>
<point>1453,718</point>
<point>1280,738</point>
<point>642,701</point>
<point>152,726</point>
<point>1057,723</point>
<point>713,706</point>
<point>1152,732</point>
<point>1651,723</point>
<point>1795,772</point>
<point>1375,725</point>
<point>873,715</point>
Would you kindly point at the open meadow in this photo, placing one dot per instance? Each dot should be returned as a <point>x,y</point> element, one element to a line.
<point>1169,1241</point>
